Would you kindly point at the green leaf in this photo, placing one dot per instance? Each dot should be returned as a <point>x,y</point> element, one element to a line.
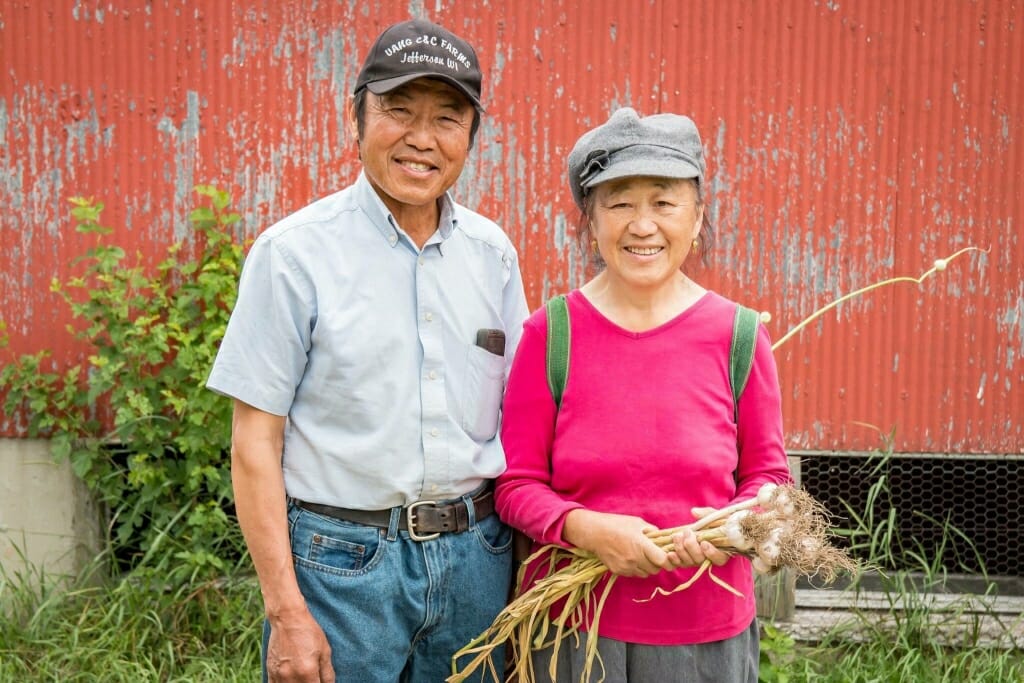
<point>202,214</point>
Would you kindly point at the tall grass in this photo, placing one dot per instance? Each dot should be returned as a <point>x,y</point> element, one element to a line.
<point>136,628</point>
<point>895,662</point>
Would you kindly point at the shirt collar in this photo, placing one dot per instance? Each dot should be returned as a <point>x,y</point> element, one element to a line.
<point>385,223</point>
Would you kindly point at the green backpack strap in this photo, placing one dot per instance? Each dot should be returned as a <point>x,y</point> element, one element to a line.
<point>557,347</point>
<point>741,353</point>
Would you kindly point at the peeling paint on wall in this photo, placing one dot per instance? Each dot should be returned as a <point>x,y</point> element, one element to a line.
<point>846,144</point>
<point>1012,327</point>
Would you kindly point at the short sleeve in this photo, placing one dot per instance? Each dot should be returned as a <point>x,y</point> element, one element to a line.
<point>262,358</point>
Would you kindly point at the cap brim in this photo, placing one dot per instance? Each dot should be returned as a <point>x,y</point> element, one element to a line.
<point>389,84</point>
<point>644,168</point>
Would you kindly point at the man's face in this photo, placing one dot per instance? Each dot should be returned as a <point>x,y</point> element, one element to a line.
<point>415,142</point>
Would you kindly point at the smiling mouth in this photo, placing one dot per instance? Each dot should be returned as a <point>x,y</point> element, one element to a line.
<point>643,251</point>
<point>416,166</point>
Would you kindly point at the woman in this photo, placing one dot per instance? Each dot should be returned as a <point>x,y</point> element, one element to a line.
<point>645,434</point>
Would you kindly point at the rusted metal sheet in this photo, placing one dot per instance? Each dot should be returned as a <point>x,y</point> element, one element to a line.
<point>848,143</point>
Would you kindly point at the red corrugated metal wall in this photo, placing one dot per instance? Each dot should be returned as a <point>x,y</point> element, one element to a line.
<point>848,142</point>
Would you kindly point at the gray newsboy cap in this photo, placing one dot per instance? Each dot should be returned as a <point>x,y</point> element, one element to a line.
<point>660,146</point>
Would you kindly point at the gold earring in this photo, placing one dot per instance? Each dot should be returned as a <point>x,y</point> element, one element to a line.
<point>593,245</point>
<point>695,246</point>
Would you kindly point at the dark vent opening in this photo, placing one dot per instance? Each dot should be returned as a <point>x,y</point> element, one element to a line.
<point>981,498</point>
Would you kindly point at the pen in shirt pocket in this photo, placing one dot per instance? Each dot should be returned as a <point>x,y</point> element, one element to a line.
<point>491,340</point>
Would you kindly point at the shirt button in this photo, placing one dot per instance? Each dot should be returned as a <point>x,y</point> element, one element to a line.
<point>434,432</point>
<point>432,375</point>
<point>420,259</point>
<point>428,316</point>
<point>392,239</point>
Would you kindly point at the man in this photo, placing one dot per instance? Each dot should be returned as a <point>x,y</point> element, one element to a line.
<point>366,356</point>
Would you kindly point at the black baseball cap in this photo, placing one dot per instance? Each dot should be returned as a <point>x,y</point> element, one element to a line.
<point>420,49</point>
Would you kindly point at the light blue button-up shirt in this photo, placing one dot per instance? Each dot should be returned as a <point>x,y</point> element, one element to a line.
<point>368,345</point>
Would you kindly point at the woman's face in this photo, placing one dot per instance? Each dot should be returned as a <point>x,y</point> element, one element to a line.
<point>645,228</point>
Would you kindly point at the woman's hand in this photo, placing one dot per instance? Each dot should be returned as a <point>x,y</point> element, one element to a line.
<point>618,540</point>
<point>689,552</point>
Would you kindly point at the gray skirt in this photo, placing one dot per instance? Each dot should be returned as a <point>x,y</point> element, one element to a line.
<point>734,660</point>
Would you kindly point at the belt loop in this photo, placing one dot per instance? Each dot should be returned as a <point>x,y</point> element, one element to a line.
<point>470,509</point>
<point>396,517</point>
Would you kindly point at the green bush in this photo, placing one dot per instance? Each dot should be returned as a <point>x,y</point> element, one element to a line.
<point>133,417</point>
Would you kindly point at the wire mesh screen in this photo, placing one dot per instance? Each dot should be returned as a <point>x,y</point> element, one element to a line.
<point>960,514</point>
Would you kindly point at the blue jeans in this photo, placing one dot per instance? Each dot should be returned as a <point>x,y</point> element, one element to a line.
<point>395,609</point>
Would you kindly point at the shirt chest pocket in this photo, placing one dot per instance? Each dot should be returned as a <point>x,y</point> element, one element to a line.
<point>485,384</point>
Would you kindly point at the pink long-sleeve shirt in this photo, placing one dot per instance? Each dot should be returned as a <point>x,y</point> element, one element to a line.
<point>645,428</point>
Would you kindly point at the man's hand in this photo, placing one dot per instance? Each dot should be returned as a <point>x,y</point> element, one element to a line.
<point>298,651</point>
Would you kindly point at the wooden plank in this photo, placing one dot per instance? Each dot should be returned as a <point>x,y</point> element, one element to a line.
<point>936,602</point>
<point>775,595</point>
<point>956,620</point>
<point>955,630</point>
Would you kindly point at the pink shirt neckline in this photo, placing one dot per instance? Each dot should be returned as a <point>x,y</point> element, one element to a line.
<point>689,311</point>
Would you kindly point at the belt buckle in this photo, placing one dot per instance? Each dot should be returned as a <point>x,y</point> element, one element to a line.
<point>411,519</point>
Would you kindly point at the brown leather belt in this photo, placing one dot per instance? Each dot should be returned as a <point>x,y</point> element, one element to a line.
<point>424,520</point>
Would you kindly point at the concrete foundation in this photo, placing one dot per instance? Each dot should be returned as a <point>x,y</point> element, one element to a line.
<point>49,525</point>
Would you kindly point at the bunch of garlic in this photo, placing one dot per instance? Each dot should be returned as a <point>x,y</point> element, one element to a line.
<point>782,526</point>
